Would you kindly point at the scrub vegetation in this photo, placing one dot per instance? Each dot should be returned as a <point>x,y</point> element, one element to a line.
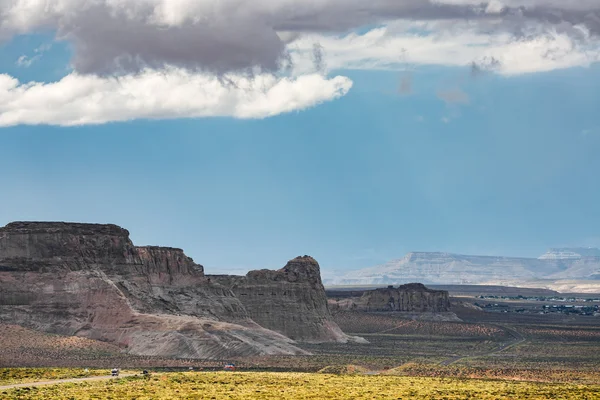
<point>268,385</point>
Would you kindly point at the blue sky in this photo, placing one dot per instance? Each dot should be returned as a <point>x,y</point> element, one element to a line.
<point>507,164</point>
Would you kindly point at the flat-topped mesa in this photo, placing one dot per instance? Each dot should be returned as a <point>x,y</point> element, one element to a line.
<point>35,245</point>
<point>290,301</point>
<point>419,287</point>
<point>75,246</point>
<point>76,228</point>
<point>412,297</point>
<point>170,260</point>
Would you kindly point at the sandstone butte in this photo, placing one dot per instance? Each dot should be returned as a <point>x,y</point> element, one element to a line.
<point>409,298</point>
<point>412,297</point>
<point>90,280</point>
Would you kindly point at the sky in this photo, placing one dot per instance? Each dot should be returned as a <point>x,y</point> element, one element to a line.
<point>248,133</point>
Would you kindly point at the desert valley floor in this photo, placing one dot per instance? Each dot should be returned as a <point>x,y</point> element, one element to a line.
<point>484,355</point>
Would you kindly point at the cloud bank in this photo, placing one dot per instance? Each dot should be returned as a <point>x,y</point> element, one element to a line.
<point>227,35</point>
<point>395,46</point>
<point>262,45</point>
<point>174,93</point>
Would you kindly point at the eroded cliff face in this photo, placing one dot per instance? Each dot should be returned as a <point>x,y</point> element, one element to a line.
<point>90,280</point>
<point>38,246</point>
<point>290,301</point>
<point>412,297</point>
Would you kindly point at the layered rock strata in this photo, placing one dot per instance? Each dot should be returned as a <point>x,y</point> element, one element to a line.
<point>409,298</point>
<point>290,301</point>
<point>90,280</point>
<point>412,297</point>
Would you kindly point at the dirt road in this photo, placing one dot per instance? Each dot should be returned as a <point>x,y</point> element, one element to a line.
<point>59,381</point>
<point>517,339</point>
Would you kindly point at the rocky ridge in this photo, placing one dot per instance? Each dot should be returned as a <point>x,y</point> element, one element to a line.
<point>447,268</point>
<point>90,280</point>
<point>290,301</point>
<point>570,253</point>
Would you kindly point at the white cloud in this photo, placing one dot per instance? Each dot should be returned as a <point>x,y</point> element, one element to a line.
<point>161,58</point>
<point>173,93</point>
<point>494,7</point>
<point>394,46</point>
<point>26,62</point>
<point>43,48</point>
<point>176,92</point>
<point>232,35</point>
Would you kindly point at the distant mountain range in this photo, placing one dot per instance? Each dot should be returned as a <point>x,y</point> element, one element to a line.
<point>573,253</point>
<point>448,268</point>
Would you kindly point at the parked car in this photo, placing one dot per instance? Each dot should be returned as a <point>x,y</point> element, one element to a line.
<point>229,367</point>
